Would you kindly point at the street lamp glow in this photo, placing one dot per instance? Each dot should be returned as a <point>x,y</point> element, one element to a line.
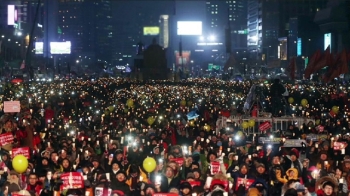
<point>211,38</point>
<point>77,61</point>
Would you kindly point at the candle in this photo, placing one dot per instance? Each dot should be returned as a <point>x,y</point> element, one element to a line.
<point>236,157</point>
<point>97,142</point>
<point>343,151</point>
<point>229,139</point>
<point>325,163</point>
<point>122,140</point>
<point>228,149</point>
<point>341,181</point>
<point>316,145</point>
<point>249,157</point>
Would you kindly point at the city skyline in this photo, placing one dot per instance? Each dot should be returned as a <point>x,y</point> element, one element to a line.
<point>259,30</point>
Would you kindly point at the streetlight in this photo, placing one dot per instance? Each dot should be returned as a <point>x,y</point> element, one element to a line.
<point>2,36</point>
<point>211,38</point>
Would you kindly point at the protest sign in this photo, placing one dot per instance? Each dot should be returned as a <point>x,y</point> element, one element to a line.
<point>214,167</point>
<point>21,151</point>
<point>294,143</point>
<point>247,182</point>
<point>265,126</point>
<point>179,161</point>
<point>72,180</point>
<point>6,138</point>
<point>12,106</point>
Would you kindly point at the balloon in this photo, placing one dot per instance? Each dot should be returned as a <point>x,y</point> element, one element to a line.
<point>335,109</point>
<point>189,103</point>
<point>183,102</point>
<point>304,102</point>
<point>207,127</point>
<point>130,102</point>
<point>126,110</point>
<point>245,125</point>
<point>290,100</point>
<point>251,123</point>
<point>317,122</point>
<point>239,134</point>
<point>20,164</point>
<point>150,120</point>
<point>111,108</point>
<point>149,164</point>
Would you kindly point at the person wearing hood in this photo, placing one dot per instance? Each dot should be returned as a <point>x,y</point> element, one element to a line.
<point>118,182</point>
<point>292,161</point>
<point>134,176</point>
<point>291,174</point>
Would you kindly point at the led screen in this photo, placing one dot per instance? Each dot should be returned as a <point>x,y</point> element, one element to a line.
<point>327,40</point>
<point>189,28</point>
<point>150,30</point>
<point>39,47</point>
<point>11,14</point>
<point>60,47</point>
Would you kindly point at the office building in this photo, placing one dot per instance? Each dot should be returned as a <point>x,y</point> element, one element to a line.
<point>90,34</point>
<point>269,24</point>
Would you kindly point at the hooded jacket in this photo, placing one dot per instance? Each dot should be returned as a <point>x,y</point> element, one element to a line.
<point>288,176</point>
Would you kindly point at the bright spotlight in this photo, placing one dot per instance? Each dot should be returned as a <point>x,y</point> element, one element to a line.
<point>211,38</point>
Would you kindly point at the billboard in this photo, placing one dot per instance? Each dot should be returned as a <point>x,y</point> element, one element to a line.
<point>299,47</point>
<point>150,31</point>
<point>184,59</point>
<point>11,14</point>
<point>212,67</point>
<point>60,47</point>
<point>39,47</point>
<point>189,28</point>
<point>328,41</point>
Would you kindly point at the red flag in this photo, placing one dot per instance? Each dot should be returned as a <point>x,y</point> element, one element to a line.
<point>23,65</point>
<point>292,66</point>
<point>339,67</point>
<point>325,60</point>
<point>313,60</point>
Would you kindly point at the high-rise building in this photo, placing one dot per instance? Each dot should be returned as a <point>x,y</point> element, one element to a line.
<point>269,24</point>
<point>90,34</point>
<point>129,24</point>
<point>224,14</point>
<point>164,31</point>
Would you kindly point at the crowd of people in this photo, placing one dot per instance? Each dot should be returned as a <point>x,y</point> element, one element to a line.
<point>95,138</point>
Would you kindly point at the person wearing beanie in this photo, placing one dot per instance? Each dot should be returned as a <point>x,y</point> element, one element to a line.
<point>292,161</point>
<point>185,189</point>
<point>120,183</point>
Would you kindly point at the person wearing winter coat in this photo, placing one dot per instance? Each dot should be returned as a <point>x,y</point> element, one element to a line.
<point>292,161</point>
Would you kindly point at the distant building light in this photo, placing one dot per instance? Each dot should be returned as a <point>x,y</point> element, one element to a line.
<point>214,50</point>
<point>209,44</point>
<point>199,50</point>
